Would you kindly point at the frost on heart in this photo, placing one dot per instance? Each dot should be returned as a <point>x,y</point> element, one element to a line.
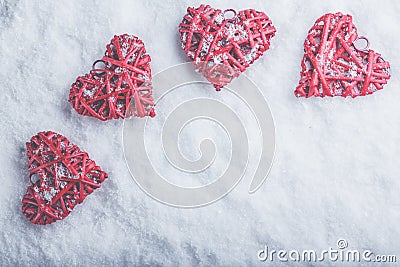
<point>333,66</point>
<point>222,48</point>
<point>66,177</point>
<point>120,89</point>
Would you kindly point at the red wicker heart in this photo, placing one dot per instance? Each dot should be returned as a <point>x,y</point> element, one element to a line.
<point>121,88</point>
<point>221,48</point>
<point>333,66</point>
<point>66,177</point>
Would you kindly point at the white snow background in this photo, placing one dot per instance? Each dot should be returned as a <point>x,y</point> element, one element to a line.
<point>336,170</point>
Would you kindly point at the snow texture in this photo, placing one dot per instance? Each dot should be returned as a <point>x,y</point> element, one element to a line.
<point>336,173</point>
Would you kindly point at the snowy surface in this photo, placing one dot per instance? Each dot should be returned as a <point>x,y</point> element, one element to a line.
<point>336,172</point>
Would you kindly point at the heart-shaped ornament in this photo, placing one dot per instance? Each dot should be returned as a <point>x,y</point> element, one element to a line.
<point>222,44</point>
<point>121,87</point>
<point>65,177</point>
<point>333,65</point>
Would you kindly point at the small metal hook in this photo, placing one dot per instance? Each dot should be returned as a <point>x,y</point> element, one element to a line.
<point>98,70</point>
<point>366,45</point>
<point>98,61</point>
<point>36,177</point>
<point>229,14</point>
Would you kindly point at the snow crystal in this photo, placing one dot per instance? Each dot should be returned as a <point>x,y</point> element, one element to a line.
<point>184,37</point>
<point>237,32</point>
<point>209,37</point>
<point>62,145</point>
<point>219,18</point>
<point>222,42</point>
<point>120,106</point>
<point>143,77</point>
<point>62,184</point>
<point>89,92</point>
<point>250,57</point>
<point>331,53</point>
<point>64,172</point>
<point>217,59</point>
<point>191,54</point>
<point>353,70</point>
<point>48,195</point>
<point>205,47</point>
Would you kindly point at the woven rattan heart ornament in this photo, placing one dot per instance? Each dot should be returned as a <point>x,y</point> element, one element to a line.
<point>66,176</point>
<point>222,47</point>
<point>333,65</point>
<point>121,87</point>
